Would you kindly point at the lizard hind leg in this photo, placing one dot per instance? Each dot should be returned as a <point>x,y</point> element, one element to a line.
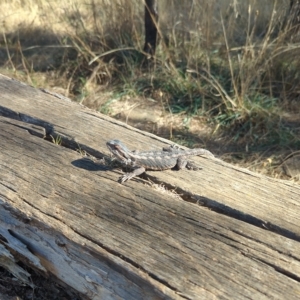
<point>183,163</point>
<point>192,166</point>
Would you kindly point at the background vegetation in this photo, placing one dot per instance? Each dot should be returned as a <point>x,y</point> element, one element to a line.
<point>225,75</point>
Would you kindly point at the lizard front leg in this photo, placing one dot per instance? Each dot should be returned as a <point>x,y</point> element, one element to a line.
<point>135,172</point>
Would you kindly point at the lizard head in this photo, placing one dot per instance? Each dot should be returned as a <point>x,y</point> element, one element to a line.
<point>120,151</point>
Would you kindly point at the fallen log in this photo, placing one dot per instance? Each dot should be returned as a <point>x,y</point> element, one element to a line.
<point>220,232</point>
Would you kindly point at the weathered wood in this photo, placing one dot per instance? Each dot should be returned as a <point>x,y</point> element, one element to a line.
<point>67,216</point>
<point>249,196</point>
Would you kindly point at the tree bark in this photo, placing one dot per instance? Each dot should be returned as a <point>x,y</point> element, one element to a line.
<point>151,19</point>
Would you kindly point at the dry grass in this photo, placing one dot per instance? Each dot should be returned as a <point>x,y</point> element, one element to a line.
<point>228,66</point>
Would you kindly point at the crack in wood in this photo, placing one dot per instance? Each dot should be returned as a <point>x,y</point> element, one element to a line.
<point>279,269</point>
<point>226,210</point>
<point>252,238</point>
<point>46,131</point>
<point>31,248</point>
<point>130,261</point>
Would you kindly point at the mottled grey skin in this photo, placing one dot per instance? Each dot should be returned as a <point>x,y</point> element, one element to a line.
<point>141,161</point>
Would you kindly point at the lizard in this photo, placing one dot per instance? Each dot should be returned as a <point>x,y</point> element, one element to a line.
<point>169,158</point>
